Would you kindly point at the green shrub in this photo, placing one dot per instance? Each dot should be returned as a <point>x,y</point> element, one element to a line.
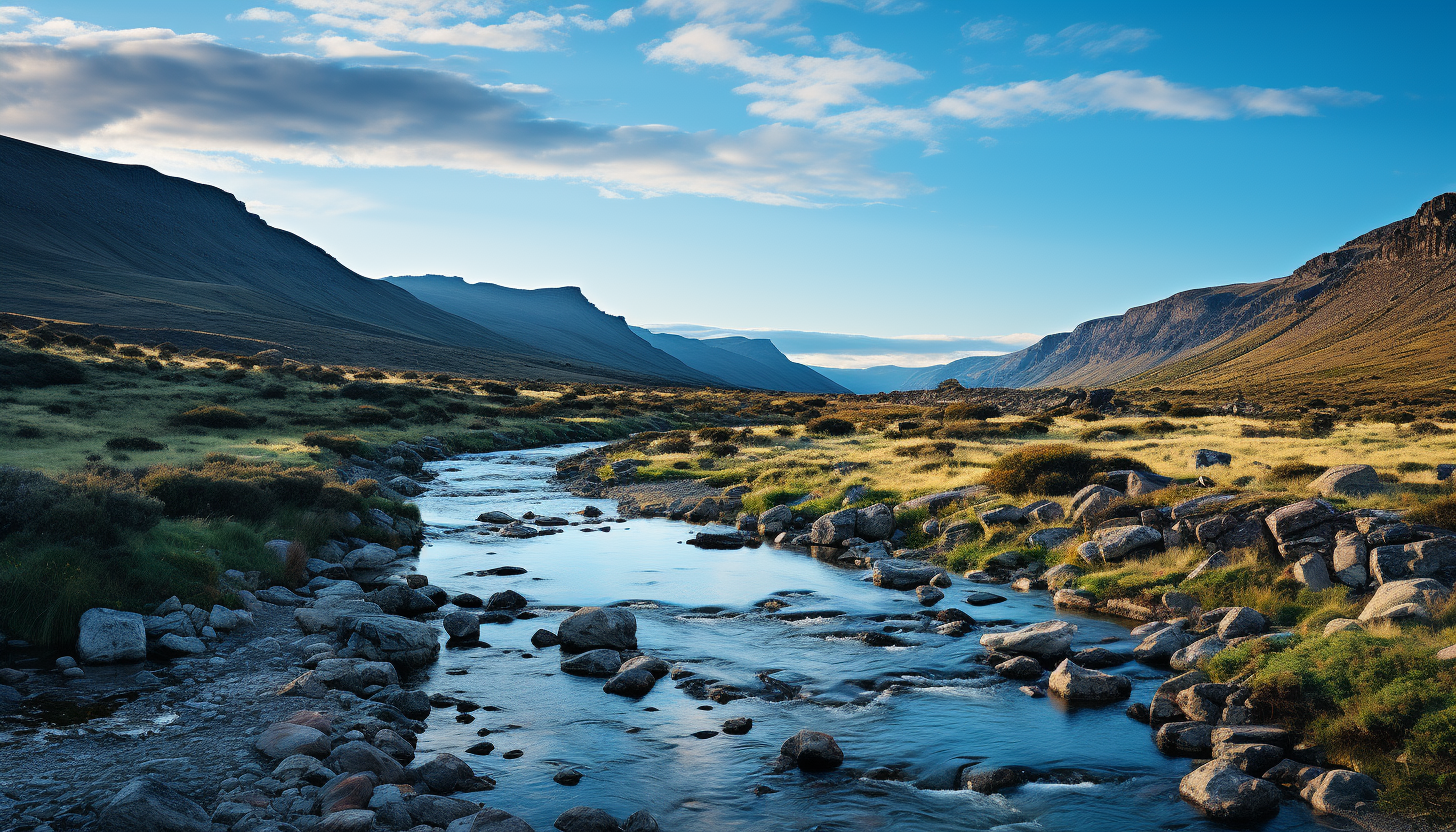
<point>830,426</point>
<point>134,443</point>
<point>674,445</point>
<point>1438,512</point>
<point>1188,411</point>
<point>1157,427</point>
<point>1297,470</point>
<point>214,416</point>
<point>715,435</point>
<point>1317,425</point>
<point>37,369</point>
<point>368,414</point>
<point>1088,416</point>
<point>961,411</point>
<point>1051,469</point>
<point>719,450</point>
<point>346,444</point>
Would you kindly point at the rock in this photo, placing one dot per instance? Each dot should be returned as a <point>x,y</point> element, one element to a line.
<point>876,522</point>
<point>544,638</point>
<point>347,792</point>
<point>982,599</point>
<point>1341,791</point>
<point>1096,658</point>
<point>111,637</point>
<point>1289,522</point>
<point>586,819</point>
<point>597,627</point>
<point>490,820</point>
<point>146,804</point>
<point>1249,734</point>
<point>933,503</point>
<point>1422,592</point>
<point>1000,515</point>
<point>499,518</point>
<point>1179,602</point>
<point>1217,560</point>
<point>567,776</point>
<point>834,528</point>
<point>1434,558</point>
<point>1044,511</point>
<point>634,682</point>
<point>462,626</point>
<point>401,600</point>
<point>356,756</point>
<point>1144,482</point>
<point>369,558</point>
<point>1021,668</point>
<point>506,601</point>
<point>1311,571</point>
<point>445,774</point>
<point>323,616</point>
<point>1051,538</point>
<point>640,821</point>
<point>1242,621</point>
<point>1160,646</point>
<point>1224,793</point>
<point>1188,658</point>
<point>601,662</point>
<point>1118,544</point>
<point>1078,684</point>
<point>995,780</point>
<point>1061,575</point>
<point>811,751</point>
<point>175,646</point>
<point>388,638</point>
<point>355,675</point>
<point>904,574</point>
<point>775,521</point>
<point>928,596</point>
<point>1292,774</point>
<point>1185,739</point>
<point>738,725</point>
<point>1092,501</point>
<point>1252,759</point>
<point>958,532</point>
<point>1205,458</point>
<point>394,745</point>
<point>349,820</point>
<point>1045,640</point>
<point>1350,560</point>
<point>1347,481</point>
<point>439,811</point>
<point>285,739</point>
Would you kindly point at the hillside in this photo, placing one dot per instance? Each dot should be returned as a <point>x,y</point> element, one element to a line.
<point>166,259</point>
<point>873,379</point>
<point>561,321</point>
<point>745,362</point>
<point>1374,314</point>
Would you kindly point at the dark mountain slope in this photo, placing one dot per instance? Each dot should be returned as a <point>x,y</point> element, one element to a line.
<point>744,362</point>
<point>872,379</point>
<point>123,245</point>
<point>561,321</point>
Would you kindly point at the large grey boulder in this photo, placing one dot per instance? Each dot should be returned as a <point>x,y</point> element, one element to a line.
<point>1144,482</point>
<point>1117,544</point>
<point>811,751</point>
<point>1292,521</point>
<point>462,626</point>
<point>601,662</point>
<point>357,755</point>
<point>1206,458</point>
<point>1044,640</point>
<point>774,522</point>
<point>146,804</point>
<point>401,600</point>
<point>1078,684</point>
<point>1044,511</point>
<point>1185,739</point>
<point>1347,481</point>
<point>1092,501</point>
<point>1341,791</point>
<point>1351,560</point>
<point>370,558</point>
<point>1051,538</point>
<point>1434,558</point>
<point>1224,793</point>
<point>1242,621</point>
<point>834,528</point>
<point>933,503</point>
<point>1422,592</point>
<point>1159,646</point>
<point>876,522</point>
<point>285,739</point>
<point>388,638</point>
<point>904,574</point>
<point>490,820</point>
<point>355,675</point>
<point>1188,658</point>
<point>591,628</point>
<point>111,637</point>
<point>1311,571</point>
<point>586,819</point>
<point>632,682</point>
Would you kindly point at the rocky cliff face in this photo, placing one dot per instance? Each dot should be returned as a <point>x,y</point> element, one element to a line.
<point>1370,314</point>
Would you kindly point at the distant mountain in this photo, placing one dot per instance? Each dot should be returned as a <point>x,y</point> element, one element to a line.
<point>168,259</point>
<point>743,362</point>
<point>561,321</point>
<point>874,379</point>
<point>1375,314</point>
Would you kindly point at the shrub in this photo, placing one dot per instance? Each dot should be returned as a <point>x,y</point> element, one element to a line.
<point>343,444</point>
<point>1426,428</point>
<point>28,432</point>
<point>37,369</point>
<point>1051,469</point>
<point>715,434</point>
<point>214,416</point>
<point>959,411</point>
<point>682,465</point>
<point>1317,425</point>
<point>368,414</point>
<point>274,391</point>
<point>674,445</point>
<point>1412,467</point>
<point>1188,411</point>
<point>1157,427</point>
<point>719,450</point>
<point>134,443</point>
<point>1438,512</point>
<point>1088,416</point>
<point>830,426</point>
<point>1297,470</point>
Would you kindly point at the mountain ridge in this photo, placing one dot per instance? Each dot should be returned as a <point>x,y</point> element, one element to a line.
<point>746,362</point>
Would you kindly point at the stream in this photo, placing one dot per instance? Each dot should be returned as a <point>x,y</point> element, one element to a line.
<point>923,710</point>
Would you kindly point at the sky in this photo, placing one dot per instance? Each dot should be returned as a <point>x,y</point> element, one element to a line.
<point>864,181</point>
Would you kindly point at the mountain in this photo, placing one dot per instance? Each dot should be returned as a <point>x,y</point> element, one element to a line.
<point>166,259</point>
<point>743,362</point>
<point>1374,314</point>
<point>560,320</point>
<point>874,379</point>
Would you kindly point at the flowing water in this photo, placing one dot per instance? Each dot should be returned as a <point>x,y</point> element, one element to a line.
<point>922,710</point>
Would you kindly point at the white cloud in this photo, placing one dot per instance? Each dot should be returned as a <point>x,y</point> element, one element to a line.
<point>789,87</point>
<point>621,17</point>
<point>608,193</point>
<point>518,89</point>
<point>260,14</point>
<point>1125,91</point>
<point>10,15</point>
<point>1094,39</point>
<point>837,349</point>
<point>171,94</point>
<point>722,9</point>
<point>339,47</point>
<point>455,22</point>
<point>996,28</point>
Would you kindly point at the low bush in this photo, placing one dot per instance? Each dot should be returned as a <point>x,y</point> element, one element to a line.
<point>1317,425</point>
<point>343,444</point>
<point>1158,427</point>
<point>214,416</point>
<point>1051,469</point>
<point>368,414</point>
<point>37,369</point>
<point>720,450</point>
<point>1088,416</point>
<point>715,435</point>
<point>1296,470</point>
<point>134,443</point>
<point>961,411</point>
<point>830,426</point>
<point>1188,411</point>
<point>1438,512</point>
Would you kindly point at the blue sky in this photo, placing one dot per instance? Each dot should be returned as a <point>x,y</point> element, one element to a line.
<point>975,174</point>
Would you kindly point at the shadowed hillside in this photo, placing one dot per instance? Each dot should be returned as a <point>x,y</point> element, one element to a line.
<point>745,362</point>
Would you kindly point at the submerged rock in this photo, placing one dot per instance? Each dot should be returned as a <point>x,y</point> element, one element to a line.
<point>1224,793</point>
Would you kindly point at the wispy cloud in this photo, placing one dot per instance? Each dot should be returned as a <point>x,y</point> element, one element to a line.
<point>150,91</point>
<point>337,46</point>
<point>836,349</point>
<point>992,29</point>
<point>1094,39</point>
<point>262,15</point>
<point>455,22</point>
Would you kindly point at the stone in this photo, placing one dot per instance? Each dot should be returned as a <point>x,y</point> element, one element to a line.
<point>933,503</point>
<point>324,614</point>
<point>1021,668</point>
<point>439,811</point>
<point>1292,774</point>
<point>506,601</point>
<point>445,774</point>
<point>357,756</point>
<point>657,667</point>
<point>1185,739</point>
<point>1341,791</point>
<point>640,821</point>
<point>146,804</point>
<point>597,627</point>
<point>1118,544</point>
<point>499,518</point>
<point>1206,458</point>
<point>812,751</point>
<point>401,600</point>
<point>1224,793</point>
<point>285,739</point>
<point>983,599</point>
<point>347,792</point>
<point>1350,560</point>
<point>355,675</point>
<point>775,521</point>
<point>928,596</point>
<point>1001,515</point>
<point>1189,657</point>
<point>388,638</point>
<point>111,637</point>
<point>544,638</point>
<point>1311,571</point>
<point>175,645</point>
<point>1247,734</point>
<point>634,682</point>
<point>993,780</point>
<point>1045,640</point>
<point>1253,759</point>
<point>462,626</point>
<point>1179,602</point>
<point>586,819</point>
<point>1242,621</point>
<point>1422,592</point>
<point>1291,521</point>
<point>1217,560</point>
<point>1051,538</point>
<point>876,522</point>
<point>738,725</point>
<point>1061,575</point>
<point>833,528</point>
<point>369,558</point>
<point>394,745</point>
<point>490,820</point>
<point>600,662</point>
<point>1044,511</point>
<point>1158,647</point>
<point>904,574</point>
<point>1145,482</point>
<point>1092,501</point>
<point>1079,684</point>
<point>1347,481</point>
<point>349,820</point>
<point>567,776</point>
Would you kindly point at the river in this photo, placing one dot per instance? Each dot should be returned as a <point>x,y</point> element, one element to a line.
<point>922,710</point>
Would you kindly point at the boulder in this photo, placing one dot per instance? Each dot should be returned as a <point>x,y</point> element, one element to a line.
<point>1021,668</point>
<point>1340,625</point>
<point>444,774</point>
<point>904,574</point>
<point>506,601</point>
<point>1217,560</point>
<point>1051,538</point>
<point>1247,734</point>
<point>1242,621</point>
<point>933,503</point>
<point>1291,521</point>
<point>1224,793</point>
<point>1078,684</point>
<point>632,683</point>
<point>834,528</point>
<point>1347,481</point>
<point>1158,647</point>
<point>811,751</point>
<point>1434,558</point>
<point>1201,506</point>
<point>355,675</point>
<point>324,614</point>
<point>928,596</point>
<point>876,522</point>
<point>1422,592</point>
<point>285,739</point>
<point>657,667</point>
<point>1350,560</point>
<point>1092,501</point>
<point>1044,511</point>
<point>490,820</point>
<point>1311,571</point>
<point>401,600</point>
<point>738,725</point>
<point>1144,482</point>
<point>1185,739</point>
<point>388,638</point>
<point>1189,657</point>
<point>1044,640</point>
<point>1206,458</point>
<point>461,625</point>
<point>774,522</point>
<point>358,756</point>
<point>1341,791</point>
<point>111,637</point>
<point>600,662</point>
<point>146,804</point>
<point>1000,515</point>
<point>1119,543</point>
<point>369,558</point>
<point>347,793</point>
<point>438,811</point>
<point>586,819</point>
<point>545,638</point>
<point>1253,759</point>
<point>175,646</point>
<point>1061,575</point>
<point>593,628</point>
